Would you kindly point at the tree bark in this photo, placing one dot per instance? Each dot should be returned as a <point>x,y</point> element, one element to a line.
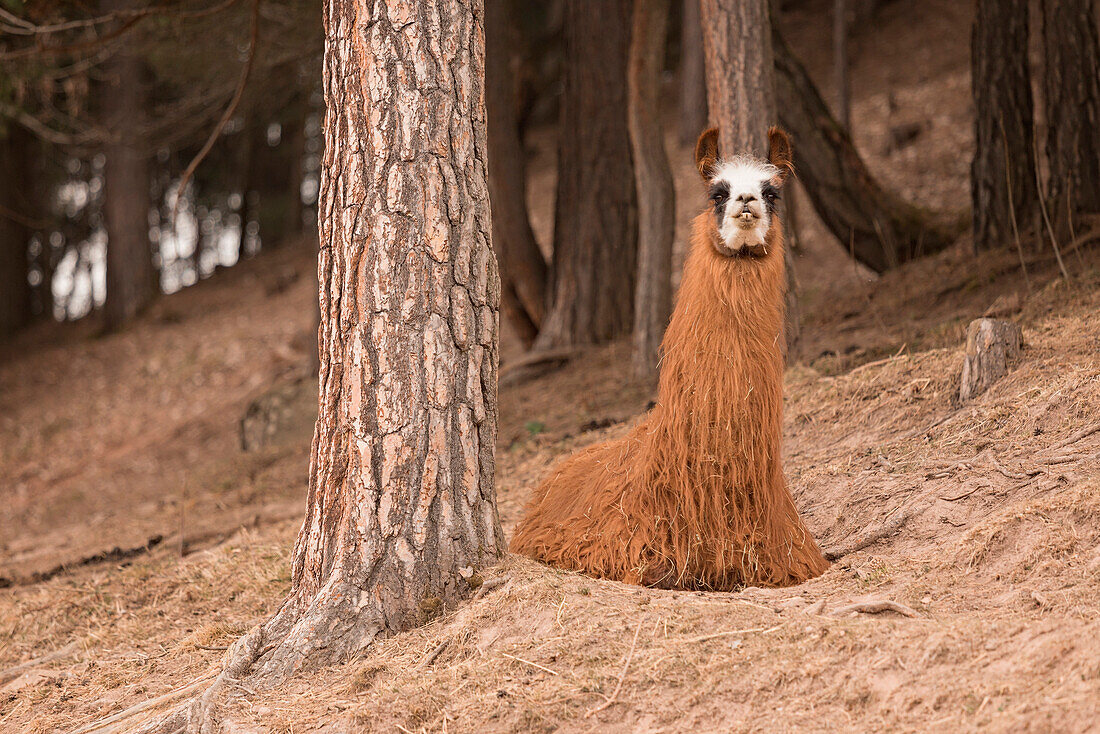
<point>595,219</point>
<point>741,94</point>
<point>840,64</point>
<point>1002,174</point>
<point>1071,90</point>
<point>740,73</point>
<point>131,277</point>
<point>693,77</point>
<point>655,190</point>
<point>401,512</point>
<point>880,230</point>
<point>523,269</point>
<point>991,345</point>
<point>16,216</point>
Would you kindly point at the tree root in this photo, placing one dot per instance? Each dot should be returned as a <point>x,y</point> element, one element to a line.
<point>876,606</point>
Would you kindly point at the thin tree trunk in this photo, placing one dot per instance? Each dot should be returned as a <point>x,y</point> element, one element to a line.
<point>1071,90</point>
<point>740,73</point>
<point>840,64</point>
<point>523,269</point>
<point>655,189</point>
<point>741,93</point>
<point>1002,174</point>
<point>693,77</point>
<point>595,219</point>
<point>881,230</point>
<point>131,277</point>
<point>15,231</point>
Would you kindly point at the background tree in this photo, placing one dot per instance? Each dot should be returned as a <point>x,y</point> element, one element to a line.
<point>693,77</point>
<point>16,220</point>
<point>1071,91</point>
<point>1002,175</point>
<point>523,269</point>
<point>741,95</point>
<point>131,276</point>
<point>880,230</point>
<point>655,189</point>
<point>595,218</point>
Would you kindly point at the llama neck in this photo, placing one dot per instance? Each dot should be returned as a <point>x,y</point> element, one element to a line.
<point>722,359</point>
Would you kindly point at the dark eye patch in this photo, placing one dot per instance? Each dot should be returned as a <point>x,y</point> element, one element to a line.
<point>719,195</point>
<point>771,195</point>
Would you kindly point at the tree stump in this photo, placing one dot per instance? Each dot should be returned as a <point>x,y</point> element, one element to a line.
<point>990,345</point>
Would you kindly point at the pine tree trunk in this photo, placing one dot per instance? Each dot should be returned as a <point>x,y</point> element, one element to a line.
<point>740,73</point>
<point>741,94</point>
<point>1071,89</point>
<point>401,513</point>
<point>523,270</point>
<point>655,189</point>
<point>840,64</point>
<point>1002,175</point>
<point>693,77</point>
<point>880,230</point>
<point>131,277</point>
<point>15,232</point>
<point>595,219</point>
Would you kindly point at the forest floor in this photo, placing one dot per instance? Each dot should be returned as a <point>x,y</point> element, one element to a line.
<point>139,538</point>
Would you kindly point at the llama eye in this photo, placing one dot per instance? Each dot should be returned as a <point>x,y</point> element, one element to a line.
<point>719,198</point>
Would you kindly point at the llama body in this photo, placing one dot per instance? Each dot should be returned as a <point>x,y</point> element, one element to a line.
<point>694,496</point>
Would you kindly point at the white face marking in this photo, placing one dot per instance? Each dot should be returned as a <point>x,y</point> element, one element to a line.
<point>745,215</point>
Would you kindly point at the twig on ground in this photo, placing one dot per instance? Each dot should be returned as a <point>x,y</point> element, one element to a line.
<point>1006,472</point>
<point>433,655</point>
<point>964,494</point>
<point>869,538</point>
<point>534,665</point>
<point>216,648</point>
<point>876,606</point>
<point>816,608</point>
<point>727,633</point>
<point>1066,458</point>
<point>16,670</point>
<point>491,585</point>
<point>622,675</point>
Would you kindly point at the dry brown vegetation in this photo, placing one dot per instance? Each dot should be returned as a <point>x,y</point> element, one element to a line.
<point>993,509</point>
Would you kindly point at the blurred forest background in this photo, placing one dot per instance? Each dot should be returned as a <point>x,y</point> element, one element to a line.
<point>160,164</point>
<point>147,145</point>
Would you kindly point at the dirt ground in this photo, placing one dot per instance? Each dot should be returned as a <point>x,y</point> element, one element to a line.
<point>139,539</point>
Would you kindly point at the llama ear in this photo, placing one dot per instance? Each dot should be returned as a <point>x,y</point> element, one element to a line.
<point>706,152</point>
<point>779,152</point>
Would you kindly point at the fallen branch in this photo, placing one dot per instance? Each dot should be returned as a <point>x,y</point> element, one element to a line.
<point>491,585</point>
<point>876,606</point>
<point>433,655</point>
<point>727,633</point>
<point>622,675</point>
<point>15,671</point>
<point>869,538</point>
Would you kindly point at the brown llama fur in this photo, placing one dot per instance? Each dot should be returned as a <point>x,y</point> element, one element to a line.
<point>694,497</point>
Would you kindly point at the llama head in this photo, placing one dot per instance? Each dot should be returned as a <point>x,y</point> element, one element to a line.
<point>744,191</point>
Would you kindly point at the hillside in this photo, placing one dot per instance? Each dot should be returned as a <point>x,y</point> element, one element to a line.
<point>140,539</point>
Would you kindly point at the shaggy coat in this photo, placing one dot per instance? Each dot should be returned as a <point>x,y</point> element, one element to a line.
<point>693,497</point>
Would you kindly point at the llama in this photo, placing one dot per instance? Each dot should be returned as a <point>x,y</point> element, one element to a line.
<point>694,496</point>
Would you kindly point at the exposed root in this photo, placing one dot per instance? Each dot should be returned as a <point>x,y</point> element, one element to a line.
<point>870,537</point>
<point>15,671</point>
<point>876,606</point>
